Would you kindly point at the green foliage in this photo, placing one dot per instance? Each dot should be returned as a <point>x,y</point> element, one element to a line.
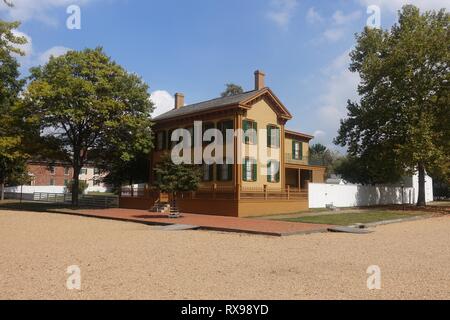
<point>134,171</point>
<point>82,186</point>
<point>90,107</point>
<point>172,178</point>
<point>322,156</point>
<point>402,122</point>
<point>12,154</point>
<point>231,90</point>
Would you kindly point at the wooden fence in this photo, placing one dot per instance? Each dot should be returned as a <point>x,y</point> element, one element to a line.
<point>97,201</point>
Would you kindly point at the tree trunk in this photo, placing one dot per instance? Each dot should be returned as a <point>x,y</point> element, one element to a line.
<point>421,201</point>
<point>75,185</point>
<point>2,195</point>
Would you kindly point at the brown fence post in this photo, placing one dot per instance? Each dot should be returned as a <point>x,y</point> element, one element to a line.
<point>265,192</point>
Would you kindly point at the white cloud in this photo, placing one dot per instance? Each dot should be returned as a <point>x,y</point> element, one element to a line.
<point>334,34</point>
<point>54,51</point>
<point>340,86</point>
<point>24,10</point>
<point>394,5</point>
<point>312,16</point>
<point>282,12</point>
<point>340,18</point>
<point>163,101</point>
<point>26,48</point>
<point>339,25</point>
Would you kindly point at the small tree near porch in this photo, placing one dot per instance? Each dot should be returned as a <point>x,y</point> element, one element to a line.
<point>172,178</point>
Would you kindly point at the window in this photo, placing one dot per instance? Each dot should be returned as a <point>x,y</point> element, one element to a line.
<point>208,172</point>
<point>225,125</point>
<point>273,171</point>
<point>96,183</point>
<point>96,171</point>
<point>160,140</point>
<point>207,126</point>
<point>250,131</point>
<point>66,171</point>
<point>83,171</point>
<point>52,170</point>
<point>225,172</point>
<point>191,134</point>
<point>52,182</point>
<point>249,170</point>
<point>273,136</point>
<point>297,150</point>
<point>170,143</point>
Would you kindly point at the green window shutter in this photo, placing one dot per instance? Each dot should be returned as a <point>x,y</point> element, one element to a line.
<point>293,149</point>
<point>269,171</point>
<point>255,171</point>
<point>301,150</point>
<point>244,170</point>
<point>230,171</point>
<point>255,136</point>
<point>269,136</point>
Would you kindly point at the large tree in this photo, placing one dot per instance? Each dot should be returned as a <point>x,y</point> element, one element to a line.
<point>89,104</point>
<point>231,90</point>
<point>129,170</point>
<point>402,122</point>
<point>12,155</point>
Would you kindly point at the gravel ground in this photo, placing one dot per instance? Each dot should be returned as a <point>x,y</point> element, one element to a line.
<point>133,261</point>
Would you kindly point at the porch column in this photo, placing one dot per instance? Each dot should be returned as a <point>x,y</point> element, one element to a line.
<point>282,158</point>
<point>237,167</point>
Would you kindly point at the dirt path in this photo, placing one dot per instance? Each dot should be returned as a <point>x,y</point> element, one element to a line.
<point>132,261</point>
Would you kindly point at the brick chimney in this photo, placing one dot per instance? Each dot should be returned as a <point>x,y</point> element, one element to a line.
<point>179,100</point>
<point>259,80</point>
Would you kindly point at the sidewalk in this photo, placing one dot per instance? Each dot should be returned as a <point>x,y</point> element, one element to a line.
<point>205,222</point>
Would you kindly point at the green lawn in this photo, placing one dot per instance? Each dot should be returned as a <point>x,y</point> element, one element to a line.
<point>349,218</point>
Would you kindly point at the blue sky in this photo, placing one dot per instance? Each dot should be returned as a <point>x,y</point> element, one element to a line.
<point>197,46</point>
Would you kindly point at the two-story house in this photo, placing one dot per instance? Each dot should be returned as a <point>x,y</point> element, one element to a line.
<point>266,170</point>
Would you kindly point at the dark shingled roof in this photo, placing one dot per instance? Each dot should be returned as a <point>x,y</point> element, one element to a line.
<point>206,105</point>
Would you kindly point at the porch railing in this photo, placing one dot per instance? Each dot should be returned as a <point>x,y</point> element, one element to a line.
<point>304,160</point>
<point>226,193</point>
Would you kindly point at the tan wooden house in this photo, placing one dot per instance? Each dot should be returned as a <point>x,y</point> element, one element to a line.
<point>240,189</point>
